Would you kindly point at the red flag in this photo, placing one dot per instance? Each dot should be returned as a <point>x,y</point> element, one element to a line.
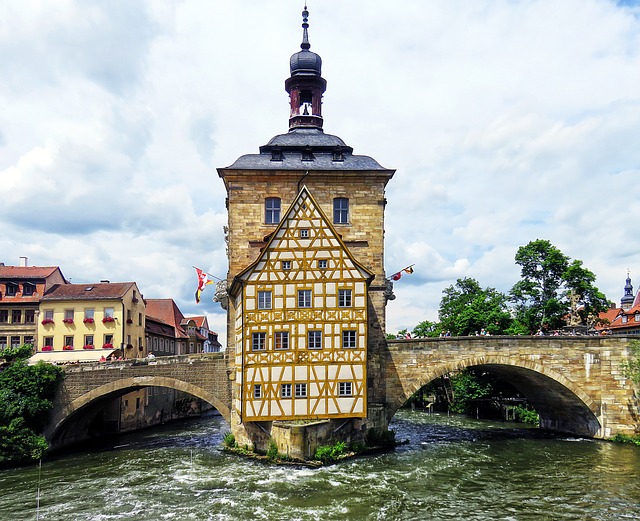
<point>203,280</point>
<point>396,276</point>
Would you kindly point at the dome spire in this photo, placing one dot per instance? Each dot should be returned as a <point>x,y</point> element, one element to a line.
<point>306,84</point>
<point>305,45</point>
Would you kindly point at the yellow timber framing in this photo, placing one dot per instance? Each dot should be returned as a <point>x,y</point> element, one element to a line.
<point>320,264</point>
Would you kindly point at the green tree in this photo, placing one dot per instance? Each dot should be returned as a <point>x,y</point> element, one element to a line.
<point>466,308</point>
<point>549,279</point>
<point>26,394</point>
<point>427,329</point>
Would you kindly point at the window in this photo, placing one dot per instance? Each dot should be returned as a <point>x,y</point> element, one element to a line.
<point>258,341</point>
<point>12,289</point>
<point>285,391</point>
<point>257,391</point>
<point>29,316</point>
<point>301,390</point>
<point>4,316</point>
<point>68,316</point>
<point>304,298</point>
<point>272,210</point>
<point>15,341</point>
<point>314,340</point>
<point>108,339</point>
<point>108,312</point>
<point>344,298</point>
<point>68,341</point>
<point>16,316</point>
<point>3,342</point>
<point>304,233</point>
<point>28,339</point>
<point>88,313</point>
<point>129,317</point>
<point>637,317</point>
<point>138,403</point>
<point>345,389</point>
<point>625,319</point>
<point>341,210</point>
<point>88,340</point>
<point>322,264</point>
<point>139,319</point>
<point>264,300</point>
<point>349,339</point>
<point>48,341</point>
<point>28,289</point>
<point>281,340</point>
<point>286,265</point>
<point>48,314</point>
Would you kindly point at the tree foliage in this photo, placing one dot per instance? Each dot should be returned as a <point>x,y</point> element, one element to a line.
<point>549,279</point>
<point>466,308</point>
<point>26,395</point>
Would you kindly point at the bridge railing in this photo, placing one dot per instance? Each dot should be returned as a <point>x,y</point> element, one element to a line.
<point>141,362</point>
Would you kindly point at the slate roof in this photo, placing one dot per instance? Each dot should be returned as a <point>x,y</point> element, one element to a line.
<point>90,291</point>
<point>299,140</point>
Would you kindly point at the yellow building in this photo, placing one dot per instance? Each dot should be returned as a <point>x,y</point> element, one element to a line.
<point>87,321</point>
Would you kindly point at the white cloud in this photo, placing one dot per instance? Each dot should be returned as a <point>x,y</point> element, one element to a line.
<point>507,121</point>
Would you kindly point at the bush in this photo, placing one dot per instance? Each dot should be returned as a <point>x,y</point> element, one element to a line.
<point>272,450</point>
<point>330,453</point>
<point>229,440</point>
<point>525,415</point>
<point>626,438</point>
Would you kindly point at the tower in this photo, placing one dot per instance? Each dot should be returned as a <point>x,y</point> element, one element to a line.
<point>306,283</point>
<point>626,302</point>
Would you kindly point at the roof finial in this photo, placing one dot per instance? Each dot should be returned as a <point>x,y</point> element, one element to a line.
<point>305,25</point>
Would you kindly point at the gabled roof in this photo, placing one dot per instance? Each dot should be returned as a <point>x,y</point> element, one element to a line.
<point>304,203</point>
<point>28,272</point>
<point>200,320</point>
<point>165,310</point>
<point>91,291</point>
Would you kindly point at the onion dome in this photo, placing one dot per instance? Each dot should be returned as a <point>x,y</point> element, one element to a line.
<point>305,61</point>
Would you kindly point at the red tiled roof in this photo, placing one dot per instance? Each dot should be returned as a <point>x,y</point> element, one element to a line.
<point>166,310</point>
<point>200,320</point>
<point>20,272</point>
<point>91,291</point>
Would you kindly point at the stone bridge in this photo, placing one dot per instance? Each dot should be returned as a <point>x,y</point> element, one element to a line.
<point>576,384</point>
<point>204,376</point>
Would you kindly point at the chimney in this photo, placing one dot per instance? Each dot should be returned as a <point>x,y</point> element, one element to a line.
<point>24,262</point>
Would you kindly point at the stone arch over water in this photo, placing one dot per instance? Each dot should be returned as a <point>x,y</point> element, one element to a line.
<point>121,387</point>
<point>563,405</point>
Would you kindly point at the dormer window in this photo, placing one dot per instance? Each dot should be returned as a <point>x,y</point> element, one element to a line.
<point>625,319</point>
<point>277,155</point>
<point>307,154</point>
<point>28,289</point>
<point>337,155</point>
<point>637,317</point>
<point>12,289</point>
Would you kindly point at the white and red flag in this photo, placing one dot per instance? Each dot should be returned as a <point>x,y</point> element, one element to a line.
<point>203,281</point>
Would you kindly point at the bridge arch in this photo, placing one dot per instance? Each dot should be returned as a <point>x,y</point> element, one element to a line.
<point>562,404</point>
<point>128,384</point>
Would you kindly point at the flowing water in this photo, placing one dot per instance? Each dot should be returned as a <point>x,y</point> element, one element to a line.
<point>450,469</point>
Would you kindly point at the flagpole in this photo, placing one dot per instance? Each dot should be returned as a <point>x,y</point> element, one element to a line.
<point>217,278</point>
<point>403,269</point>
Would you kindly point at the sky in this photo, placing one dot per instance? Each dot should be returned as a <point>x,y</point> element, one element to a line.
<point>506,121</point>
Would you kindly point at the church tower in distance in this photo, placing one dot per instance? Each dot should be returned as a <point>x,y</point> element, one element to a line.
<point>306,284</point>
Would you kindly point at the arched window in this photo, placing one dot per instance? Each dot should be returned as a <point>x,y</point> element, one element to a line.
<point>272,210</point>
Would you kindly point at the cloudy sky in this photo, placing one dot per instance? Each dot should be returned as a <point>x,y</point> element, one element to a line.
<point>507,121</point>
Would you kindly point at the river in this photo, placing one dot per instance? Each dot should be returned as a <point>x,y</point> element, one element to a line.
<point>452,468</point>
